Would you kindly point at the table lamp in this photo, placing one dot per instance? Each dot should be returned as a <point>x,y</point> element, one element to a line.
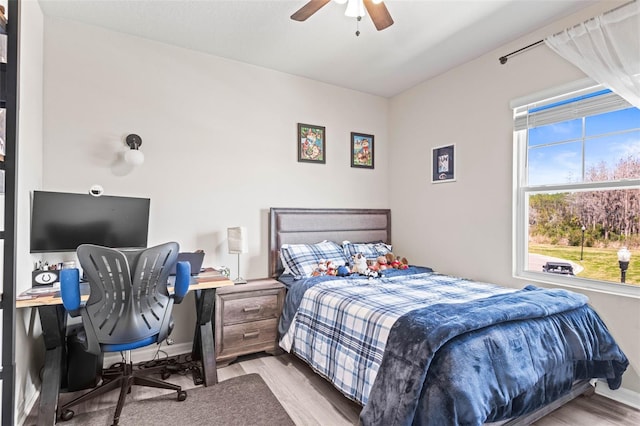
<point>237,240</point>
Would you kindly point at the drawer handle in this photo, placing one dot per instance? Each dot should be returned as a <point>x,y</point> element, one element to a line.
<point>251,308</point>
<point>251,335</point>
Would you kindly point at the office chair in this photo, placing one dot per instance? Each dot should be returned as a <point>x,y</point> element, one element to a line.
<point>128,307</point>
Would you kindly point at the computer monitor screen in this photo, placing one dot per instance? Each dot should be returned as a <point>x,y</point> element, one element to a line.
<point>62,221</point>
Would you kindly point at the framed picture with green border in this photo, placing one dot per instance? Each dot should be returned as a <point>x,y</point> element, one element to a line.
<point>311,141</point>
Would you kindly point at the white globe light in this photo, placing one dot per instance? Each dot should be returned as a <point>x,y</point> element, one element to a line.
<point>624,255</point>
<point>134,157</point>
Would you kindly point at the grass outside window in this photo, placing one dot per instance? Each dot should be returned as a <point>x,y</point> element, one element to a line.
<point>599,263</point>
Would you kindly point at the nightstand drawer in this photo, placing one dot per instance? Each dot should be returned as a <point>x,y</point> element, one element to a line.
<point>246,309</point>
<point>249,336</point>
<point>246,319</point>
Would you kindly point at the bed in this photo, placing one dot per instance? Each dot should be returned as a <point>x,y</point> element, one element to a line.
<point>416,347</point>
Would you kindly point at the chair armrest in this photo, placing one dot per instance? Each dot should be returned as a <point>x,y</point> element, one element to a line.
<point>183,278</point>
<point>70,288</point>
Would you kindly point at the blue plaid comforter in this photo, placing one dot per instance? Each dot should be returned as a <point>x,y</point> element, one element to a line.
<point>426,349</point>
<point>341,325</point>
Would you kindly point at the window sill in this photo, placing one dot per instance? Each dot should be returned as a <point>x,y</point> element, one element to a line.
<point>623,290</point>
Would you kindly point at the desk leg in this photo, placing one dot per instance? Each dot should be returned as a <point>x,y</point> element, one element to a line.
<point>50,387</point>
<point>52,321</point>
<point>203,340</point>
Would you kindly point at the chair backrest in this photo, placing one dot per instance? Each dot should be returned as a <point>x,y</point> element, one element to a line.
<point>128,300</point>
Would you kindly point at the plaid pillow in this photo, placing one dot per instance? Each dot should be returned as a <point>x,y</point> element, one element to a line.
<point>302,259</point>
<point>370,250</point>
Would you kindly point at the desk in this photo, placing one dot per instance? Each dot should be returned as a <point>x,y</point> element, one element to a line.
<point>53,322</point>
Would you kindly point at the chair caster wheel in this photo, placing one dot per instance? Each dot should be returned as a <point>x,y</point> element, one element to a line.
<point>66,415</point>
<point>182,395</point>
<point>165,375</point>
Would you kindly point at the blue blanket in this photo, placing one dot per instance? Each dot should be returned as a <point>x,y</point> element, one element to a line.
<point>490,359</point>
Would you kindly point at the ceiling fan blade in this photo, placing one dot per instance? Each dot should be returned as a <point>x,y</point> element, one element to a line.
<point>379,14</point>
<point>308,9</point>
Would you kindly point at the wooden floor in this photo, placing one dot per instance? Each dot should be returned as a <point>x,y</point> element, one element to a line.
<point>310,400</point>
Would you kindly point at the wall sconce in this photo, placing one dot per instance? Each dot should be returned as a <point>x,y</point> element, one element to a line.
<point>624,256</point>
<point>237,240</point>
<point>134,156</point>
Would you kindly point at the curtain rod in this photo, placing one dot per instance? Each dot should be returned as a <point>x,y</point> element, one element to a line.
<point>503,59</point>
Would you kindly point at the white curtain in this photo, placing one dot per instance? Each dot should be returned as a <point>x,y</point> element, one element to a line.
<point>607,49</point>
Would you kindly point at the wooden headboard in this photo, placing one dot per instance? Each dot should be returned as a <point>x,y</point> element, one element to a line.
<point>308,226</point>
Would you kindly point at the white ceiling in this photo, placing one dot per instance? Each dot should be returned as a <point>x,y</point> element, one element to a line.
<point>428,37</point>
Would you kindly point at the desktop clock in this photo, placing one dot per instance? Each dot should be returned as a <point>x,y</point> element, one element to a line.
<point>41,277</point>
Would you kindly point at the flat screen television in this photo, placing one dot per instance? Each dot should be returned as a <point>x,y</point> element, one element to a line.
<point>62,221</point>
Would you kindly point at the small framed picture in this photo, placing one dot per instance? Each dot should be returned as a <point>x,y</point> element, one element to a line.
<point>443,164</point>
<point>311,143</point>
<point>361,150</point>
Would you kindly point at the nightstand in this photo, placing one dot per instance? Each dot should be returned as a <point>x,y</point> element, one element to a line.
<point>246,319</point>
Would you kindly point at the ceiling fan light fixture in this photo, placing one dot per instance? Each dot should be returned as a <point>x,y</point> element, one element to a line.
<point>376,9</point>
<point>355,8</point>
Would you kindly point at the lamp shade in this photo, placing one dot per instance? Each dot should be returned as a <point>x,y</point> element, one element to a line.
<point>624,255</point>
<point>134,157</point>
<point>237,240</point>
<point>355,8</point>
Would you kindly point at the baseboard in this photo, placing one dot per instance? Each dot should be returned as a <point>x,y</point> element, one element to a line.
<point>147,353</point>
<point>27,408</point>
<point>621,395</point>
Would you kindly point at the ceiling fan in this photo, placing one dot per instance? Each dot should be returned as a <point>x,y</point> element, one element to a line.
<point>355,8</point>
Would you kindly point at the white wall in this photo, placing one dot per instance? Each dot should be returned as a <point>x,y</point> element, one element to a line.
<point>28,347</point>
<point>219,139</point>
<point>464,227</point>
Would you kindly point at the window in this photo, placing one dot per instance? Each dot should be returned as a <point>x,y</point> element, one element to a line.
<point>577,181</point>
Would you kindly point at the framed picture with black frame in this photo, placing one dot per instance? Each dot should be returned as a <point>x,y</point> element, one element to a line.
<point>443,164</point>
<point>362,150</point>
<point>311,142</point>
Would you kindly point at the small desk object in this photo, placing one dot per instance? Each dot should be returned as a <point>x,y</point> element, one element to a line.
<point>53,323</point>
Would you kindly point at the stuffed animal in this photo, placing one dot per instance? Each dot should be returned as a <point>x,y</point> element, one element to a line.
<point>396,262</point>
<point>373,265</point>
<point>360,265</point>
<point>382,263</point>
<point>372,274</point>
<point>321,269</point>
<point>404,263</point>
<point>332,268</point>
<point>343,271</point>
